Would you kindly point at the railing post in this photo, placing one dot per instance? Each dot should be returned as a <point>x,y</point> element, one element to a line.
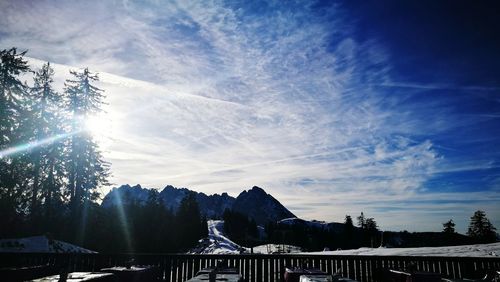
<point>272,277</point>
<point>247,268</point>
<point>174,269</point>
<point>166,268</point>
<point>258,262</point>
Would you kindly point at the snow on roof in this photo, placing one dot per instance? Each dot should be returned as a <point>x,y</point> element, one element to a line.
<point>39,244</point>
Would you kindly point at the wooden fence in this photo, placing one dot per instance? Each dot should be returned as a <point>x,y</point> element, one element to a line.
<point>258,267</point>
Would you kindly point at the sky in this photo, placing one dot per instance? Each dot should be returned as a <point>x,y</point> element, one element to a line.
<point>336,107</point>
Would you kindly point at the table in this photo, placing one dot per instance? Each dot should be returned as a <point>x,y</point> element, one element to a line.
<point>293,274</point>
<point>217,274</point>
<point>417,276</point>
<point>425,277</point>
<point>324,278</point>
<point>80,276</point>
<point>218,270</point>
<point>24,273</point>
<point>315,278</point>
<point>134,273</point>
<point>218,277</point>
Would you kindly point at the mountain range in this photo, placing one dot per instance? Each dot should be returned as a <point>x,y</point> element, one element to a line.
<point>255,203</point>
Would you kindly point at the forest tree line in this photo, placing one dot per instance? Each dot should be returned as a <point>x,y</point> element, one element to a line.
<point>332,236</point>
<point>49,161</point>
<point>51,168</point>
<point>317,236</point>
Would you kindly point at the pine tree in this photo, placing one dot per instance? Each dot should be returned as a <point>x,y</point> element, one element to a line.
<point>189,222</point>
<point>371,225</point>
<point>47,157</point>
<point>204,227</point>
<point>12,96</point>
<point>347,235</point>
<point>12,93</point>
<point>371,230</point>
<point>86,167</point>
<point>361,221</point>
<point>348,221</point>
<point>13,166</point>
<point>449,227</point>
<point>480,228</point>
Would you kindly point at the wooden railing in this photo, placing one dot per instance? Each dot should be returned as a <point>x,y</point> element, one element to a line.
<point>257,267</point>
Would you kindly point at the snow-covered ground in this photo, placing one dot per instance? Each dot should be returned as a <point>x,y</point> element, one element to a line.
<point>217,243</point>
<point>479,250</point>
<point>39,244</point>
<point>276,248</point>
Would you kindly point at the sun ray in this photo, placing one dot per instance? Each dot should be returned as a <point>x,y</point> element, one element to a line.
<point>31,145</point>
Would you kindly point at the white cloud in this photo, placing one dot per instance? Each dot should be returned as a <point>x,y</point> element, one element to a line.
<point>212,98</point>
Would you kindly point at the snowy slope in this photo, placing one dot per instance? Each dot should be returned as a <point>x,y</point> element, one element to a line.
<point>38,244</point>
<point>479,250</point>
<point>217,243</point>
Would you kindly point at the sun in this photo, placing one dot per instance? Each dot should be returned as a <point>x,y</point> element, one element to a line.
<point>98,125</point>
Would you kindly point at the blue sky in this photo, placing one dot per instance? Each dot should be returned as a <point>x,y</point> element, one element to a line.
<point>386,107</point>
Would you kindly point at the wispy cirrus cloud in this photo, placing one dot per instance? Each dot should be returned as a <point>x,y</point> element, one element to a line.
<point>222,96</point>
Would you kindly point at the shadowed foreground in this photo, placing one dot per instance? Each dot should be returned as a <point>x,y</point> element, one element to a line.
<point>181,267</point>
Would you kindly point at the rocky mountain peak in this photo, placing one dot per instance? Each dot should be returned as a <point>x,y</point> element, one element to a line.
<point>260,206</point>
<point>254,203</point>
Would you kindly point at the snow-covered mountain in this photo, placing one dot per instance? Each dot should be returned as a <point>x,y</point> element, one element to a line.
<point>255,203</point>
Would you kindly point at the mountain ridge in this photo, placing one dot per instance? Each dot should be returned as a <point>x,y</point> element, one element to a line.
<point>254,203</point>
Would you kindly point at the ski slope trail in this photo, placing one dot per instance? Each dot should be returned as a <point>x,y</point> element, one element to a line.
<point>217,242</point>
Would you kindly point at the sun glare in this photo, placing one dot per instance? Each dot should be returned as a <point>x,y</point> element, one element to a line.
<point>98,125</point>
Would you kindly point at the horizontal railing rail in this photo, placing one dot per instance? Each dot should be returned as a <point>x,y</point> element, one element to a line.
<point>260,267</point>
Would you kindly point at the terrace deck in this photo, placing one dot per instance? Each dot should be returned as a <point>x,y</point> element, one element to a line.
<point>265,268</point>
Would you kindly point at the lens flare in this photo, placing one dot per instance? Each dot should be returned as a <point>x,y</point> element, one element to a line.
<point>122,217</point>
<point>31,145</point>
